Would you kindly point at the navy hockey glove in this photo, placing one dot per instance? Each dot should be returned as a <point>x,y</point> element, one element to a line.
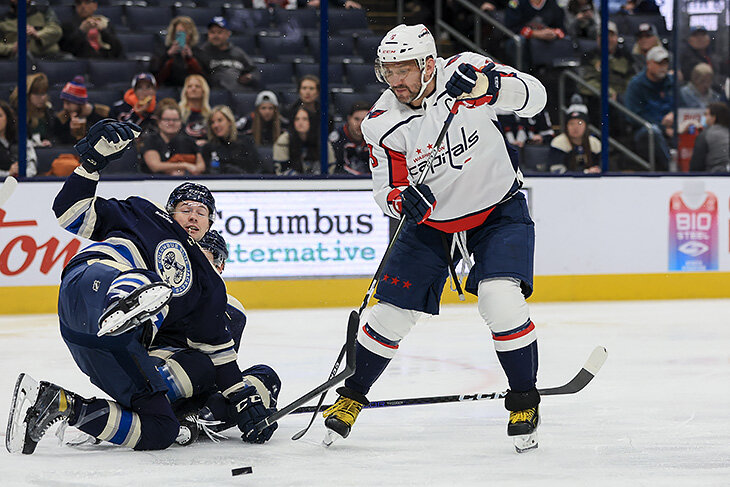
<point>417,203</point>
<point>105,141</point>
<point>475,86</point>
<point>248,409</point>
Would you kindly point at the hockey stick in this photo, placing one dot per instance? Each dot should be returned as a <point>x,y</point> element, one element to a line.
<point>376,276</point>
<point>576,384</point>
<point>349,349</point>
<point>7,188</point>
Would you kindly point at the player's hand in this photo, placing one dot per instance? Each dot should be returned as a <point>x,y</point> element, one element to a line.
<point>248,409</point>
<point>417,203</point>
<point>475,86</point>
<point>105,142</point>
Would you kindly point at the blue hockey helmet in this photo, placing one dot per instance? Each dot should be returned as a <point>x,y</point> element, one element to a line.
<point>192,192</point>
<point>216,244</point>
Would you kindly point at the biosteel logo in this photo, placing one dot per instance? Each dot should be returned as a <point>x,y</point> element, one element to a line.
<point>24,249</point>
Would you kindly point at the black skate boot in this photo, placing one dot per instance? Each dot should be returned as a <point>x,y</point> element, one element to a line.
<point>524,418</point>
<point>36,406</point>
<point>340,417</point>
<point>133,309</point>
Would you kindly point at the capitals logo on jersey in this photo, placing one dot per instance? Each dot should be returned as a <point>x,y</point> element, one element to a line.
<point>173,266</point>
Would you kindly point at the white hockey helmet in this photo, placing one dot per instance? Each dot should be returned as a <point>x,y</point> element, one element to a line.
<point>405,43</point>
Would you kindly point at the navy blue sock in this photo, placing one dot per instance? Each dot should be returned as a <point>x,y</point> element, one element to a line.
<point>368,367</point>
<point>520,366</point>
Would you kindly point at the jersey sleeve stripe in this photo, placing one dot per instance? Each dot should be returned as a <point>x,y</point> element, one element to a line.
<point>398,168</point>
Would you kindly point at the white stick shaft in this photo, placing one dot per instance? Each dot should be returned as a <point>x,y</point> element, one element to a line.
<point>6,190</point>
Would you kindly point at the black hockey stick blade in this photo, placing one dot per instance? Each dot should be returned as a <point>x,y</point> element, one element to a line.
<point>576,384</point>
<point>354,316</point>
<point>352,325</point>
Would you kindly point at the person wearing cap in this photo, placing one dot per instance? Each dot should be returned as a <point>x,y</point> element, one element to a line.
<point>575,150</point>
<point>265,123</point>
<point>697,49</point>
<point>78,114</point>
<point>90,35</point>
<point>646,38</point>
<point>180,56</point>
<point>698,93</point>
<point>351,151</point>
<point>230,66</point>
<point>650,95</point>
<point>138,103</point>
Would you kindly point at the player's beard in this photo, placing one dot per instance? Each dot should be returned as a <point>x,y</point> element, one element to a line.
<point>405,97</point>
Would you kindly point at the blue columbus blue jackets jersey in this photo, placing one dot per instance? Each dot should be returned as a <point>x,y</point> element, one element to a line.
<point>136,233</point>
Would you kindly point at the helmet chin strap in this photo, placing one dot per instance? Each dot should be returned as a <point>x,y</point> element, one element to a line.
<point>424,82</point>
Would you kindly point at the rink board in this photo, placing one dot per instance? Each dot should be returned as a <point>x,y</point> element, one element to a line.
<point>316,243</point>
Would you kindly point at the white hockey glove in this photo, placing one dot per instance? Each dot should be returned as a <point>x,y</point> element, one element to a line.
<point>473,86</point>
<point>105,141</point>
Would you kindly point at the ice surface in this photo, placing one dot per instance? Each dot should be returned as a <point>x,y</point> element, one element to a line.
<point>656,414</point>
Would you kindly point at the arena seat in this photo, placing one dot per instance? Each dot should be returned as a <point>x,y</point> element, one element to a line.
<point>138,44</point>
<point>247,20</point>
<point>61,72</point>
<point>219,97</point>
<point>361,76</point>
<point>304,20</point>
<point>247,42</point>
<point>535,158</point>
<point>284,49</point>
<point>556,53</point>
<point>200,15</point>
<point>46,155</point>
<point>243,103</point>
<point>113,73</point>
<point>148,19</point>
<point>335,73</point>
<point>276,75</point>
<point>367,47</point>
<point>348,21</point>
<point>344,101</point>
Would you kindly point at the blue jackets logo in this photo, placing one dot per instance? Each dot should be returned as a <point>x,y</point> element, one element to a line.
<point>173,266</point>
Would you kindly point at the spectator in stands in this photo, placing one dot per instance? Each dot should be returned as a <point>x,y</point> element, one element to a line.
<point>195,108</point>
<point>698,93</point>
<point>581,19</point>
<point>333,3</point>
<point>696,49</point>
<point>227,151</point>
<point>139,102</point>
<point>650,95</point>
<point>308,90</point>
<point>519,131</point>
<point>169,150</point>
<point>633,7</point>
<point>230,66</point>
<point>78,115</point>
<point>43,32</point>
<point>40,117</point>
<point>265,123</point>
<point>181,55</point>
<point>575,150</point>
<point>539,19</point>
<point>90,35</point>
<point>9,145</point>
<point>646,38</point>
<point>711,151</point>
<point>351,152</point>
<point>296,151</point>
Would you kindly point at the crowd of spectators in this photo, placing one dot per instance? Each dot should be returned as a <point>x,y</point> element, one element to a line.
<point>208,103</point>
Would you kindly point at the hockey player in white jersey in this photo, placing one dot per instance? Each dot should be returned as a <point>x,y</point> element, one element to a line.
<point>468,208</point>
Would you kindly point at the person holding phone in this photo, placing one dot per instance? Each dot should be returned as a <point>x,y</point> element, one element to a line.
<point>180,56</point>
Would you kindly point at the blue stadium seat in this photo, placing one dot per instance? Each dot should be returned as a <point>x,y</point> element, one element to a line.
<point>46,155</point>
<point>200,15</point>
<point>105,96</point>
<point>586,46</point>
<point>115,14</point>
<point>303,20</point>
<point>266,156</point>
<point>335,73</point>
<point>557,53</point>
<point>288,96</point>
<point>138,44</point>
<point>367,47</point>
<point>148,19</point>
<point>166,92</point>
<point>340,48</point>
<point>361,76</point>
<point>113,73</point>
<point>247,20</point>
<point>344,101</point>
<point>275,76</point>
<point>247,42</point>
<point>284,49</point>
<point>348,21</point>
<point>535,158</point>
<point>219,97</point>
<point>243,103</point>
<point>65,13</point>
<point>61,72</point>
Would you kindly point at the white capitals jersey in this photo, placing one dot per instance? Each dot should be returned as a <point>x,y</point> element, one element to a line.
<point>473,170</point>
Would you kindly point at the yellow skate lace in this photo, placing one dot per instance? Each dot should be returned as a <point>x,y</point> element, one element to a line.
<point>344,409</point>
<point>525,415</point>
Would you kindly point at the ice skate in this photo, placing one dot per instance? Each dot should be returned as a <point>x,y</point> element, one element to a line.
<point>193,425</point>
<point>522,427</point>
<point>340,417</point>
<point>34,409</point>
<point>135,308</point>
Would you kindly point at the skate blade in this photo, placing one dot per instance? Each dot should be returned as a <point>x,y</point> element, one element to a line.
<point>525,443</point>
<point>330,437</point>
<point>150,301</point>
<point>24,396</point>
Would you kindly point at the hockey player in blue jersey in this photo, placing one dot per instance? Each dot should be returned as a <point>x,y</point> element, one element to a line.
<point>468,207</point>
<point>144,267</point>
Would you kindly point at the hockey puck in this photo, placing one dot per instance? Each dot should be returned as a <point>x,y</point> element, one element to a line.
<point>241,470</point>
